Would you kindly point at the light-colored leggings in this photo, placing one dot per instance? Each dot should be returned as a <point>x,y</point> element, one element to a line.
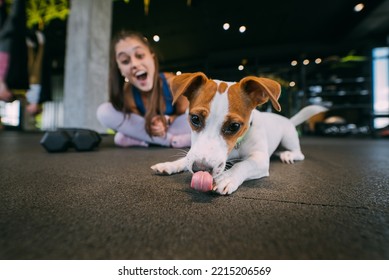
<point>133,125</point>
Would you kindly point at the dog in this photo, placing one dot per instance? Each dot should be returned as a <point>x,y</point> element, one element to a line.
<point>227,127</point>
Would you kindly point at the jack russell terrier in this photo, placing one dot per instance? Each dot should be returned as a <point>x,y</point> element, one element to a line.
<point>226,127</point>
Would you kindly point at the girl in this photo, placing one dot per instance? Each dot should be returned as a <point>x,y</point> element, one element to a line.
<point>140,102</point>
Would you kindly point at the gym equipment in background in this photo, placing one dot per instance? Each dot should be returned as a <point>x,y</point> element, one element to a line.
<point>62,139</point>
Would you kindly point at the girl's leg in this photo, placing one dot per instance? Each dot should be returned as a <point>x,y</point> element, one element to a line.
<point>126,141</point>
<point>130,125</point>
<point>181,131</point>
<point>180,125</point>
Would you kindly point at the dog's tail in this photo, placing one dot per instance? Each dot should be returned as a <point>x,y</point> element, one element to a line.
<point>306,113</point>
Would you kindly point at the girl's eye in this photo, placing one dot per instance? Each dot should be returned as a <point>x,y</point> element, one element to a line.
<point>140,56</point>
<point>196,121</point>
<point>125,62</point>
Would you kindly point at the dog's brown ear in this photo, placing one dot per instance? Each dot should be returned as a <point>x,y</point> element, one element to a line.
<point>260,90</point>
<point>187,84</point>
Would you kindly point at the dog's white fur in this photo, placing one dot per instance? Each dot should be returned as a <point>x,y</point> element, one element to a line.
<point>260,133</point>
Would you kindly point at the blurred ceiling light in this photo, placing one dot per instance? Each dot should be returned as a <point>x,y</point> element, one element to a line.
<point>359,7</point>
<point>318,60</point>
<point>293,63</point>
<point>226,26</point>
<point>306,61</point>
<point>242,29</point>
<point>292,84</point>
<point>240,67</point>
<point>156,38</point>
<point>178,73</point>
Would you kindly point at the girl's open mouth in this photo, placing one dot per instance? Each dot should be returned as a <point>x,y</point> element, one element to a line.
<point>141,76</point>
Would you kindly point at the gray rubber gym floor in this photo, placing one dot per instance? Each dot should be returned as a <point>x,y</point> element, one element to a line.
<point>108,204</point>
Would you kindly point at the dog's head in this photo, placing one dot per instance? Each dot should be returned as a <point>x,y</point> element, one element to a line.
<point>219,114</point>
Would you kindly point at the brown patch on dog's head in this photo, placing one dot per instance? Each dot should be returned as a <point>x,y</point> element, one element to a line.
<point>198,89</point>
<point>243,97</point>
<point>239,112</point>
<point>222,87</point>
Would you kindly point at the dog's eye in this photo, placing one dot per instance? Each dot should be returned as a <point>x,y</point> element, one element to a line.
<point>195,120</point>
<point>232,128</point>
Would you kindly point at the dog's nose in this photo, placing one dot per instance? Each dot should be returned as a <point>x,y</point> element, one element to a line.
<point>201,166</point>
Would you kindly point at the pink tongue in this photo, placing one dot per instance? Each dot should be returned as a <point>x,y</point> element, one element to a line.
<point>202,181</point>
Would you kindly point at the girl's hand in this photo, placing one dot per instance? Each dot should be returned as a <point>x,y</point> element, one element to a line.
<point>157,127</point>
<point>33,109</point>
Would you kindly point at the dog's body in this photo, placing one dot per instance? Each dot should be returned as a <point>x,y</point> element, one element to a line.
<point>226,127</point>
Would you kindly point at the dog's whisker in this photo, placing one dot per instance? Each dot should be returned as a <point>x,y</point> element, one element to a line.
<point>232,161</point>
<point>181,153</point>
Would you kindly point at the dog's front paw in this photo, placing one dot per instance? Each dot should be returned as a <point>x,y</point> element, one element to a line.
<point>167,168</point>
<point>291,156</point>
<point>226,184</point>
<point>287,157</point>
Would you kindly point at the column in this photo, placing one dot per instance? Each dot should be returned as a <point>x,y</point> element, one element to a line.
<point>87,62</point>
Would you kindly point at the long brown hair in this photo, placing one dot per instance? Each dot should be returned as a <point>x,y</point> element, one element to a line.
<point>118,88</point>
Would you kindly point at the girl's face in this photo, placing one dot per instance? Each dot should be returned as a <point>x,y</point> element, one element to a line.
<point>136,63</point>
